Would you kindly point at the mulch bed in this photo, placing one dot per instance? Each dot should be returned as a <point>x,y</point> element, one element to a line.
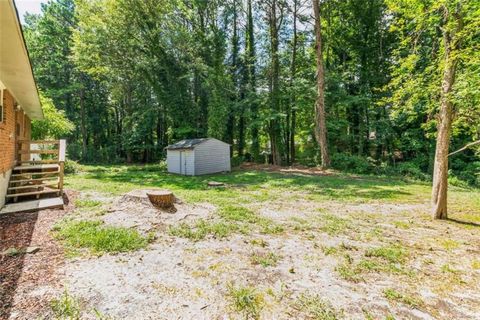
<point>22,273</point>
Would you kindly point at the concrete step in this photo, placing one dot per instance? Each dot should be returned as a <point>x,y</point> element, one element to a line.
<point>33,205</point>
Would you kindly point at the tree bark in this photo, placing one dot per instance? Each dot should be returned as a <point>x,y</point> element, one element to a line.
<point>250,43</point>
<point>320,122</point>
<point>293,71</point>
<point>275,130</point>
<point>440,169</point>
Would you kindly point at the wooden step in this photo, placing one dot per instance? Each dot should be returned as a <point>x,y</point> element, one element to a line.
<point>33,205</point>
<point>34,173</point>
<point>33,193</point>
<point>32,186</point>
<point>38,161</point>
<point>37,167</point>
<point>36,179</point>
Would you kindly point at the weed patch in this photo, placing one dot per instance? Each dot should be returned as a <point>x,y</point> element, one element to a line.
<point>66,307</point>
<point>314,307</point>
<point>246,300</point>
<point>334,225</point>
<point>393,295</point>
<point>99,238</point>
<point>87,203</point>
<point>269,259</point>
<point>392,254</point>
<point>202,228</point>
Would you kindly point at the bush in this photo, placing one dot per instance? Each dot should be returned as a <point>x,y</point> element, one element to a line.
<point>410,170</point>
<point>352,163</point>
<point>71,166</point>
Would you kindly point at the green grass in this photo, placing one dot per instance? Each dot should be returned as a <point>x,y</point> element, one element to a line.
<point>201,228</point>
<point>391,253</point>
<point>316,308</point>
<point>252,186</point>
<point>98,238</point>
<point>87,203</point>
<point>66,307</point>
<point>393,295</point>
<point>246,300</point>
<point>333,224</point>
<point>269,259</point>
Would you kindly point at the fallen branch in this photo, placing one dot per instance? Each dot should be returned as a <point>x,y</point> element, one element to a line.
<point>471,144</point>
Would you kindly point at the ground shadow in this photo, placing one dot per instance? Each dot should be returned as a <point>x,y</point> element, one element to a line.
<point>331,185</point>
<point>465,223</point>
<point>16,232</point>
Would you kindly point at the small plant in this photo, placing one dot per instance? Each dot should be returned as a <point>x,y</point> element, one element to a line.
<point>236,213</point>
<point>87,203</point>
<point>329,250</point>
<point>402,224</point>
<point>269,259</point>
<point>65,307</point>
<point>203,228</point>
<point>246,300</point>
<point>393,295</point>
<point>393,253</point>
<point>476,264</point>
<point>259,242</point>
<point>449,244</point>
<point>334,225</point>
<point>98,238</point>
<point>314,307</point>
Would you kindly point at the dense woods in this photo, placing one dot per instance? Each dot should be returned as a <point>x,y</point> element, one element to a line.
<point>364,84</point>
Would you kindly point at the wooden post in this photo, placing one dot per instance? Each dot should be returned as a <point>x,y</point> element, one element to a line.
<point>61,161</point>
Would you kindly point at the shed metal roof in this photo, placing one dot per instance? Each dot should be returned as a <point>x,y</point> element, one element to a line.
<point>186,144</point>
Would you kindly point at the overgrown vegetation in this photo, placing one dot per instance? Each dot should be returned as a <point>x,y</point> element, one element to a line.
<point>98,238</point>
<point>246,300</point>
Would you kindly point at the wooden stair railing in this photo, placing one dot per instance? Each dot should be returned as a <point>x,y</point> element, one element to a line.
<point>33,177</point>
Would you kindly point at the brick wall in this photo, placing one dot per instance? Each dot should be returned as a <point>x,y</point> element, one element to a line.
<point>7,134</point>
<point>16,125</point>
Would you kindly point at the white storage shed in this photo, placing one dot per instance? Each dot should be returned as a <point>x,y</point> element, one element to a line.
<point>198,156</point>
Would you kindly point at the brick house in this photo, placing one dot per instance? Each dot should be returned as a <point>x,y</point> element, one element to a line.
<point>19,100</point>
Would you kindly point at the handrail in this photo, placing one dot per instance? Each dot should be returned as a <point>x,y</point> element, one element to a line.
<point>60,150</point>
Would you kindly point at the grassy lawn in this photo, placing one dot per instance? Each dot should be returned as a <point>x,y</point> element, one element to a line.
<point>284,245</point>
<point>260,186</point>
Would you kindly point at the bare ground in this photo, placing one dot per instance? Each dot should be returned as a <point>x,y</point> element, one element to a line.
<point>176,278</point>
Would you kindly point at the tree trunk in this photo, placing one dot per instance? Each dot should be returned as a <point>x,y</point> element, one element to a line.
<point>83,123</point>
<point>275,129</point>
<point>320,122</point>
<point>250,43</point>
<point>293,71</point>
<point>440,169</point>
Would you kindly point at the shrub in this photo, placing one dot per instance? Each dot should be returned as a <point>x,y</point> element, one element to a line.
<point>71,166</point>
<point>352,163</point>
<point>410,170</point>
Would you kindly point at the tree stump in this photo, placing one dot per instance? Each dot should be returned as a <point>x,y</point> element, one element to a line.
<point>161,198</point>
<point>216,184</point>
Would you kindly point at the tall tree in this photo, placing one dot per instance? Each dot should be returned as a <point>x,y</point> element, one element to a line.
<point>451,32</point>
<point>320,121</point>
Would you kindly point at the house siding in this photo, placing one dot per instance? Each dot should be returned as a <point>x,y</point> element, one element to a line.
<point>212,156</point>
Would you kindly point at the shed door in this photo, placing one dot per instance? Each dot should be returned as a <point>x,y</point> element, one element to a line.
<point>183,162</point>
